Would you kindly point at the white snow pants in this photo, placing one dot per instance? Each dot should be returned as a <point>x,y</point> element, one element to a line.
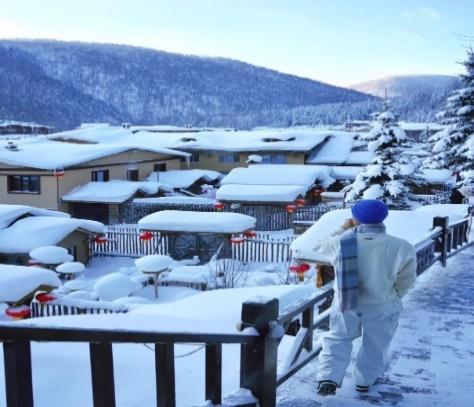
<point>377,327</point>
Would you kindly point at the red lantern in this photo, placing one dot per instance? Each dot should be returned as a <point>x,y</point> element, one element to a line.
<point>45,297</point>
<point>100,239</point>
<point>236,240</point>
<point>291,208</point>
<point>146,236</point>
<point>219,206</point>
<point>300,202</point>
<point>21,312</point>
<point>300,270</point>
<point>250,234</point>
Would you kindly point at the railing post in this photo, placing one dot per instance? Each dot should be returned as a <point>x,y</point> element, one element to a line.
<point>18,379</point>
<point>258,362</point>
<point>442,245</point>
<point>102,372</point>
<point>214,373</point>
<point>165,375</point>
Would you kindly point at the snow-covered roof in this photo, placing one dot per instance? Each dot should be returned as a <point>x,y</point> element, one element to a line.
<point>176,200</point>
<point>343,172</point>
<point>16,282</point>
<point>184,178</point>
<point>260,193</point>
<point>198,222</point>
<point>335,150</point>
<point>10,213</point>
<point>37,231</point>
<point>113,191</point>
<point>44,153</point>
<point>413,226</point>
<point>439,176</point>
<point>274,174</point>
<point>295,139</point>
<point>359,158</point>
<point>413,126</point>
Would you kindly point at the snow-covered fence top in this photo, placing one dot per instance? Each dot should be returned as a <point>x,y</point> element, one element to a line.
<point>197,222</point>
<point>413,226</point>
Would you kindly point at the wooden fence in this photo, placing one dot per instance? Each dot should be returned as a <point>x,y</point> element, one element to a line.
<point>259,347</point>
<point>124,240</point>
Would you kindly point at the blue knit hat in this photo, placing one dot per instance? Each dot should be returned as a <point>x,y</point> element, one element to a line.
<point>370,211</point>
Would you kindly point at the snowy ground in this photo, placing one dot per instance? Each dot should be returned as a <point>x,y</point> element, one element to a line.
<point>432,357</point>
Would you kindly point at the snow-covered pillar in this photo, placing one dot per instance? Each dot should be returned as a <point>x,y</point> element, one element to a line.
<point>258,362</point>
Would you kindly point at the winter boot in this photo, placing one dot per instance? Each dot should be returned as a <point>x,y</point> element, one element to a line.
<point>362,389</point>
<point>327,388</point>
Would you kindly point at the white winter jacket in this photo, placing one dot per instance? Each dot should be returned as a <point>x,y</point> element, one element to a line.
<point>386,266</point>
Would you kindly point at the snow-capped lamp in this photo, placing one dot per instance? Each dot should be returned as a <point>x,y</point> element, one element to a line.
<point>236,240</point>
<point>291,208</point>
<point>17,313</point>
<point>45,297</point>
<point>219,206</point>
<point>300,269</point>
<point>300,202</point>
<point>250,234</point>
<point>146,236</point>
<point>100,239</point>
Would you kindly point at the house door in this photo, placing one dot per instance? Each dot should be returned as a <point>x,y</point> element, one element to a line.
<point>91,211</point>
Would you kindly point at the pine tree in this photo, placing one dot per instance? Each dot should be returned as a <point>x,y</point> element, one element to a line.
<point>453,147</point>
<point>390,176</point>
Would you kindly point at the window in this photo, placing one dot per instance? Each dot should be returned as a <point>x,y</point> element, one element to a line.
<point>229,158</point>
<point>24,184</point>
<point>159,167</point>
<point>101,175</point>
<point>194,158</point>
<point>274,159</point>
<point>132,174</point>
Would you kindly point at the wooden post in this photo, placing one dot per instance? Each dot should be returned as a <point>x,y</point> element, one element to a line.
<point>442,245</point>
<point>258,362</point>
<point>214,373</point>
<point>102,372</point>
<point>18,379</point>
<point>165,376</point>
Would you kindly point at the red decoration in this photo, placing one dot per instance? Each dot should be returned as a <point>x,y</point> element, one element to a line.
<point>219,206</point>
<point>21,312</point>
<point>146,235</point>
<point>100,239</point>
<point>290,208</point>
<point>300,202</point>
<point>58,172</point>
<point>34,263</point>
<point>236,240</point>
<point>45,297</point>
<point>300,270</point>
<point>250,234</point>
<point>317,192</point>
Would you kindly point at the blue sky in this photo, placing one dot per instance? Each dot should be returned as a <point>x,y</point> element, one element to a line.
<point>336,41</point>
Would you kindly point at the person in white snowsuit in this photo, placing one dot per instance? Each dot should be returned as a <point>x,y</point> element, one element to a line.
<point>384,269</point>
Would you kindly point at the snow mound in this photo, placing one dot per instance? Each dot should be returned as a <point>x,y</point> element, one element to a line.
<point>154,263</point>
<point>115,285</point>
<point>197,222</point>
<point>71,267</point>
<point>51,255</point>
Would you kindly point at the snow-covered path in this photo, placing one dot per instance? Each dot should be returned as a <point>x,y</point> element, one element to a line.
<point>432,354</point>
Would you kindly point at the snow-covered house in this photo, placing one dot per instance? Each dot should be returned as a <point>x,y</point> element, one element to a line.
<point>189,180</point>
<point>272,184</point>
<point>219,149</point>
<point>40,171</point>
<point>420,131</point>
<point>11,127</point>
<point>23,229</point>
